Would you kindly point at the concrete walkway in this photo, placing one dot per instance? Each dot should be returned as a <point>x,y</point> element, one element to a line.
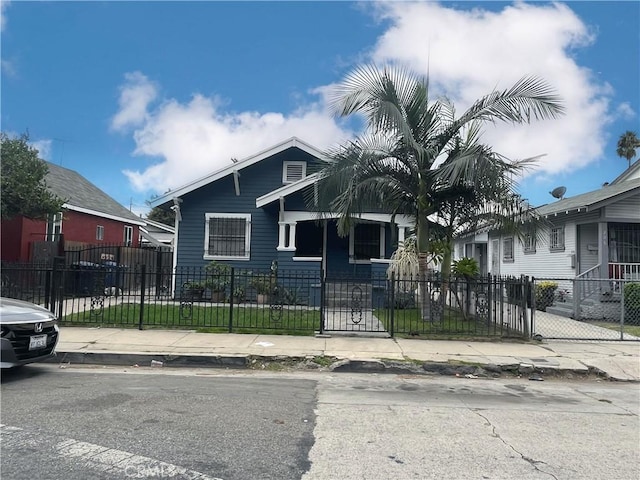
<point>615,360</point>
<point>347,322</point>
<point>550,325</point>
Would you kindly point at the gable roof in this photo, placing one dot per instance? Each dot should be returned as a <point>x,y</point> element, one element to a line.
<point>630,173</point>
<point>82,196</point>
<point>591,200</point>
<point>157,233</point>
<point>234,167</point>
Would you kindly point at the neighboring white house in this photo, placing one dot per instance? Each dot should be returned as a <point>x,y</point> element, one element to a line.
<point>595,235</point>
<point>156,234</point>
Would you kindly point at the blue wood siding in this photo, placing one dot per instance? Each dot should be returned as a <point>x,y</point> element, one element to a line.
<point>255,181</point>
<point>220,197</point>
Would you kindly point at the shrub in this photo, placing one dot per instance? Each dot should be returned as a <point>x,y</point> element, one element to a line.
<point>632,303</point>
<point>545,293</point>
<point>466,267</point>
<point>218,276</point>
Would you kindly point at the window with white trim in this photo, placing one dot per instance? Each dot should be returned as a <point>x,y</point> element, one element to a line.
<point>366,241</point>
<point>227,236</point>
<point>293,171</point>
<point>128,235</point>
<point>99,232</point>
<point>529,243</point>
<point>507,249</point>
<point>556,239</point>
<point>54,227</point>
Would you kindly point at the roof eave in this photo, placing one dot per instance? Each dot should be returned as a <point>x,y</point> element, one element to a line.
<point>228,170</point>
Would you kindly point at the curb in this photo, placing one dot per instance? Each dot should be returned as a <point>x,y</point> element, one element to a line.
<point>408,367</point>
<point>154,360</point>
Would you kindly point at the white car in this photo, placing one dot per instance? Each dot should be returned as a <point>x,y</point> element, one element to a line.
<point>29,333</point>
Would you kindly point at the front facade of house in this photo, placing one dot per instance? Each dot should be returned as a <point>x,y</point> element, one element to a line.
<point>254,212</point>
<point>591,236</point>
<point>89,217</point>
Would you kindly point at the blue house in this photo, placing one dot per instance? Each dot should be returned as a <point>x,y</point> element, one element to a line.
<point>253,212</point>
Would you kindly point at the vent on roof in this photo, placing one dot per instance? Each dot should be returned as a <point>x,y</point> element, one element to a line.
<point>293,171</point>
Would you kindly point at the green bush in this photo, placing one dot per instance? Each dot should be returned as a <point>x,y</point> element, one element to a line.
<point>632,303</point>
<point>466,267</point>
<point>545,293</point>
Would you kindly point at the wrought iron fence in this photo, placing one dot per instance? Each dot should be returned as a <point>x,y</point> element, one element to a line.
<point>300,302</point>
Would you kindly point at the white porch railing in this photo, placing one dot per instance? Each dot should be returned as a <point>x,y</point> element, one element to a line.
<point>596,281</point>
<point>585,285</point>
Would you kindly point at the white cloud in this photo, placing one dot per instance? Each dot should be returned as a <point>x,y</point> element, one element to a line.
<point>469,53</point>
<point>3,16</point>
<point>135,96</point>
<point>625,111</point>
<point>197,138</point>
<point>43,147</point>
<point>8,68</point>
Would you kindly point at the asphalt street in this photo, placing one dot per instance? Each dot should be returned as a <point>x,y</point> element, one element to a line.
<point>121,423</point>
<point>153,426</point>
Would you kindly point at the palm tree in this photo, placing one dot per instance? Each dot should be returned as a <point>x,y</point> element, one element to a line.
<point>413,153</point>
<point>627,144</point>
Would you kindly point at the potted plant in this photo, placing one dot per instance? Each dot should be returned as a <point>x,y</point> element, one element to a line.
<point>218,279</point>
<point>194,289</point>
<point>545,293</point>
<point>265,285</point>
<point>239,294</point>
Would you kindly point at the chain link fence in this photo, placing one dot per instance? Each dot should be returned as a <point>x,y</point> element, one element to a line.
<point>587,309</point>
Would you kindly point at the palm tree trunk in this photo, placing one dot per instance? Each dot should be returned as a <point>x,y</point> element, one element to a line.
<point>422,243</point>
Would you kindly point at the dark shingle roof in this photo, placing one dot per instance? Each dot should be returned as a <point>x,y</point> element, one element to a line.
<point>590,200</point>
<point>78,192</point>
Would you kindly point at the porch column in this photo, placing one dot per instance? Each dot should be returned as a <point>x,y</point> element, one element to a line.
<point>603,250</point>
<point>282,235</point>
<point>286,242</point>
<point>401,233</point>
<point>292,236</point>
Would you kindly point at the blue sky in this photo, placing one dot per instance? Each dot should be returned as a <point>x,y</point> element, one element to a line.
<point>140,97</point>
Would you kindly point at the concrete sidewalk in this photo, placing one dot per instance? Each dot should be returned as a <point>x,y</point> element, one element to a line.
<point>614,360</point>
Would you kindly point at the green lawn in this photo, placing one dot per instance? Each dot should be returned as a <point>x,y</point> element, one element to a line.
<point>630,329</point>
<point>214,319</point>
<point>409,323</point>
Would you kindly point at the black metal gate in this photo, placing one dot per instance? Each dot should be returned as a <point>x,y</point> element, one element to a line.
<point>351,304</point>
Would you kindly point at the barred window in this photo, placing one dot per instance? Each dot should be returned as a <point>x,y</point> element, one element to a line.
<point>366,242</point>
<point>100,232</point>
<point>507,249</point>
<point>529,243</point>
<point>227,236</point>
<point>556,239</point>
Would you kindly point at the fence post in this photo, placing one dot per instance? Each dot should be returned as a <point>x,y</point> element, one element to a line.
<point>232,286</point>
<point>576,298</point>
<point>489,301</point>
<point>533,305</point>
<point>322,293</point>
<point>55,283</point>
<point>525,304</point>
<point>143,284</point>
<point>623,285</point>
<point>393,304</point>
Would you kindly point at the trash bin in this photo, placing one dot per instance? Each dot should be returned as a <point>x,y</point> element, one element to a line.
<point>85,278</point>
<point>114,277</point>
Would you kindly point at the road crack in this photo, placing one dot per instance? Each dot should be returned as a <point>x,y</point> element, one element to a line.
<point>534,463</point>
